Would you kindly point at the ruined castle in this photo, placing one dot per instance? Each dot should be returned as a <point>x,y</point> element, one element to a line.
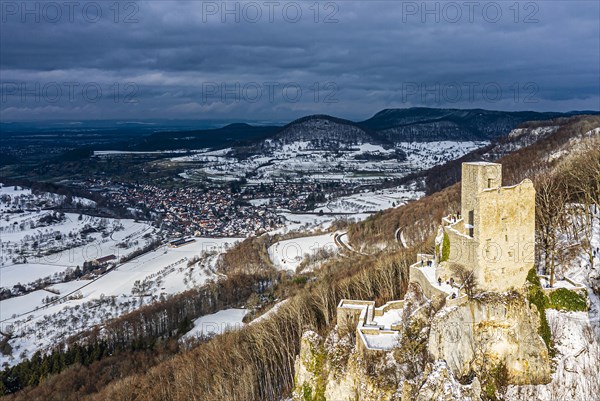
<point>494,235</point>
<point>489,245</point>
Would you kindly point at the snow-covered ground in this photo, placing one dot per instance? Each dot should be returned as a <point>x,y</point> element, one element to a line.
<point>308,222</point>
<point>31,250</point>
<point>389,319</point>
<point>382,341</point>
<point>360,163</point>
<point>428,154</point>
<point>557,284</point>
<point>270,312</point>
<point>217,323</point>
<point>289,254</point>
<point>430,274</point>
<point>577,341</point>
<point>40,244</point>
<point>16,197</point>
<point>37,323</point>
<point>577,363</point>
<point>372,201</point>
<point>26,273</point>
<point>304,222</point>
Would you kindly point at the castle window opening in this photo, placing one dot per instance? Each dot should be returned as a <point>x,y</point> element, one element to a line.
<point>471,222</point>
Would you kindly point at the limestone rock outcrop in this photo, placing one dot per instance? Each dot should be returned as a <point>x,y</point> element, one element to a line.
<point>323,373</point>
<point>442,386</point>
<point>488,331</point>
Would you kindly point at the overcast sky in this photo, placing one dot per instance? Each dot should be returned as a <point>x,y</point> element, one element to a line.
<point>277,60</point>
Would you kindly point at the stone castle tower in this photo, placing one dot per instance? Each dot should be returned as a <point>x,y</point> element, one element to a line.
<point>495,234</point>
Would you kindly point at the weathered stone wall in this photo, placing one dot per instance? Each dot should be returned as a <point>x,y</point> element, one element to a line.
<point>475,178</point>
<point>349,312</point>
<point>463,249</point>
<point>389,306</point>
<point>506,238</point>
<point>496,236</point>
<point>416,276</point>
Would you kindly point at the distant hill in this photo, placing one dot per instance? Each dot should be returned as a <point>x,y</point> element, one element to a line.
<point>323,131</point>
<point>430,124</point>
<point>416,124</point>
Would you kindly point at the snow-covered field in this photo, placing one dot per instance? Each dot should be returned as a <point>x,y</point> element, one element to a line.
<point>217,323</point>
<point>424,155</point>
<point>16,197</point>
<point>38,244</point>
<point>86,303</point>
<point>363,162</point>
<point>31,249</point>
<point>289,254</point>
<point>27,273</point>
<point>372,201</point>
<point>312,221</point>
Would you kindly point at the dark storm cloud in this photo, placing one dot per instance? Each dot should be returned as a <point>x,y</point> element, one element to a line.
<point>348,58</point>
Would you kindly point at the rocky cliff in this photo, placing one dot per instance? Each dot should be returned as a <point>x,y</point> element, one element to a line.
<point>489,331</point>
<point>467,352</point>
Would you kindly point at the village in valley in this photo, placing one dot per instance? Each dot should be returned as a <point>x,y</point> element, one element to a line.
<point>63,262</point>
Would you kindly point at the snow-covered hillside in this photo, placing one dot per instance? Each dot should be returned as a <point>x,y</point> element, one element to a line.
<point>78,305</point>
<point>519,138</point>
<point>14,198</point>
<point>62,273</point>
<point>42,243</point>
<point>576,337</point>
<point>216,323</point>
<point>289,254</point>
<point>369,201</point>
<point>361,162</point>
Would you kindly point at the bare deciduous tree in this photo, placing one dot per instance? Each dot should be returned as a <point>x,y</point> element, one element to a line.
<point>466,278</point>
<point>550,204</point>
<point>583,179</point>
